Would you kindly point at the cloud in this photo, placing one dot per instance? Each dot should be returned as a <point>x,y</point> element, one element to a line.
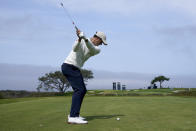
<point>126,7</point>
<point>21,77</point>
<point>183,5</point>
<point>27,27</point>
<point>187,30</point>
<point>104,79</point>
<point>32,24</point>
<point>15,27</point>
<point>180,40</point>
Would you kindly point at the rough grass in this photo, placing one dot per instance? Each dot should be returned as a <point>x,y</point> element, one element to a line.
<point>144,92</point>
<point>168,113</point>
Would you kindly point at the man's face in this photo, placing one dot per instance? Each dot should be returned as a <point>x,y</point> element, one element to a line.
<point>97,41</point>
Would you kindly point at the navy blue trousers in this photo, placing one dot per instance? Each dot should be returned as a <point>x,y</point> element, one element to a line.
<point>75,78</point>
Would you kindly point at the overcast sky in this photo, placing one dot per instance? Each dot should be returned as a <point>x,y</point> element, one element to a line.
<point>144,36</point>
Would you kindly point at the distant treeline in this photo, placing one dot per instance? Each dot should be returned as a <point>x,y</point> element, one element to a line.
<point>22,93</point>
<point>5,94</point>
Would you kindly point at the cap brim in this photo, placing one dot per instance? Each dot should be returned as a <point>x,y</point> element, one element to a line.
<point>104,42</point>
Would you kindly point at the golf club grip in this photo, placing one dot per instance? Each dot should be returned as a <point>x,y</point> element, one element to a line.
<point>76,27</point>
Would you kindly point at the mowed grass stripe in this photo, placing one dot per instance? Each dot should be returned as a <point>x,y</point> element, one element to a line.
<point>136,113</point>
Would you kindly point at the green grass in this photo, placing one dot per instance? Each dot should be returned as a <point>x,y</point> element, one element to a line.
<point>144,92</point>
<point>136,92</point>
<point>13,100</point>
<point>146,113</point>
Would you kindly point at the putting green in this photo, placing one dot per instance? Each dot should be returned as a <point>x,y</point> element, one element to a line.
<point>166,113</point>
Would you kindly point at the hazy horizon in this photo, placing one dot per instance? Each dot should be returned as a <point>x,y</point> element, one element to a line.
<point>25,77</point>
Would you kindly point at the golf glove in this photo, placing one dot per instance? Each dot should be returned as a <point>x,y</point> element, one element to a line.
<point>82,36</point>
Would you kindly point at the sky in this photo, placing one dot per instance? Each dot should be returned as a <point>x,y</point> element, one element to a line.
<point>144,36</point>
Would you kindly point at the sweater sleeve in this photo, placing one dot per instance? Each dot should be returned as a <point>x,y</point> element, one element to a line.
<point>94,50</point>
<point>76,46</point>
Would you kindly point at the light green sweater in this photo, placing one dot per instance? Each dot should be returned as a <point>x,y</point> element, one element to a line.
<point>81,52</point>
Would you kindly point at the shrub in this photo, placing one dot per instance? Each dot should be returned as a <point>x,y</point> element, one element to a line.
<point>185,93</point>
<point>1,96</point>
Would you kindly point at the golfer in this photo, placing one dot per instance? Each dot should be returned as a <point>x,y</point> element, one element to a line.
<point>82,50</point>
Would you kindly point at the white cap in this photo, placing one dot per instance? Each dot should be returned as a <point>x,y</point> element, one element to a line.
<point>102,36</point>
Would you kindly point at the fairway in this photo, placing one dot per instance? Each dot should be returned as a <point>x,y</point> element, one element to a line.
<point>149,113</point>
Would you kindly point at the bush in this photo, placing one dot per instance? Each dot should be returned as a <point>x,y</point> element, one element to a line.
<point>22,93</point>
<point>69,93</point>
<point>1,96</point>
<point>185,93</point>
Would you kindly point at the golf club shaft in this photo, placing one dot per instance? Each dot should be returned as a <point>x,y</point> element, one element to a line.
<point>69,16</point>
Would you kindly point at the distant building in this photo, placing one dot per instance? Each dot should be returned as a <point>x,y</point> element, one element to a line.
<point>114,85</point>
<point>123,87</point>
<point>118,86</point>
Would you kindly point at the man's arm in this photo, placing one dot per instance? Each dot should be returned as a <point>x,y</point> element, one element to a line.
<point>76,45</point>
<point>89,45</point>
<point>77,42</point>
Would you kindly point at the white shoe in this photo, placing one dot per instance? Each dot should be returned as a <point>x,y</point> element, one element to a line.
<point>76,120</point>
<point>82,118</point>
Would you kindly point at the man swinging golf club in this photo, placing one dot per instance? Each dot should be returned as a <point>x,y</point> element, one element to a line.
<point>82,50</point>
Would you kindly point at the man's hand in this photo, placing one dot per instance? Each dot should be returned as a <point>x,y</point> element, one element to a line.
<point>80,35</point>
<point>78,32</point>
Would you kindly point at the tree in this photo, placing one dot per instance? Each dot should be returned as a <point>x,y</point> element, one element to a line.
<point>160,79</point>
<point>87,74</point>
<point>56,80</point>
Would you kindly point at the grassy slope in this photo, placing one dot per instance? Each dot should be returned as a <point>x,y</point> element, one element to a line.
<point>167,113</point>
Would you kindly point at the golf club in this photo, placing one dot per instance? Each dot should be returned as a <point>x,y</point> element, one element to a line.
<point>69,16</point>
